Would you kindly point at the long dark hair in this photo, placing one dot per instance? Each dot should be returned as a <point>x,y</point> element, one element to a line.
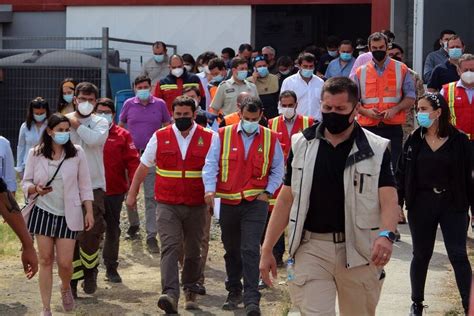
<point>437,101</point>
<point>36,103</point>
<point>61,102</point>
<point>45,147</point>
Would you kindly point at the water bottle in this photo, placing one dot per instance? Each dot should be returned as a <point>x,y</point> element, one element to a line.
<point>290,269</point>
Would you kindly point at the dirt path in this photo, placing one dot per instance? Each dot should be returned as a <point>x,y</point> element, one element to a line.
<point>138,293</point>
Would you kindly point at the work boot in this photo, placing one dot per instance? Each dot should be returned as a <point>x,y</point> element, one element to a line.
<point>90,281</point>
<point>190,300</point>
<point>198,288</point>
<point>152,245</point>
<point>234,298</point>
<point>132,232</point>
<point>112,275</point>
<point>252,310</point>
<point>168,304</point>
<point>417,309</point>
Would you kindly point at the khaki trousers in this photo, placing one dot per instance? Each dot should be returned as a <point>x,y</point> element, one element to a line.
<point>321,273</point>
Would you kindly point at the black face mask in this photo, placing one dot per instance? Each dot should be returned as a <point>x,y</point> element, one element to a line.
<point>379,55</point>
<point>336,123</point>
<point>183,123</point>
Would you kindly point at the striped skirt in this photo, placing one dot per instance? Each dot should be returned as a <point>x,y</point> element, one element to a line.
<point>44,223</point>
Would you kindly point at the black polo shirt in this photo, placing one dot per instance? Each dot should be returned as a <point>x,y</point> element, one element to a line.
<point>443,74</point>
<point>326,206</point>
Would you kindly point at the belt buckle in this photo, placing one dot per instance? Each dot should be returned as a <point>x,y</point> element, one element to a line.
<point>338,237</point>
<point>438,191</point>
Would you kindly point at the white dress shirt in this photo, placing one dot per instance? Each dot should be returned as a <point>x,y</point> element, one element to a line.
<point>308,94</point>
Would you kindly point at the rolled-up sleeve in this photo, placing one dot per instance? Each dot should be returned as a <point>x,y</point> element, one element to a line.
<point>408,87</point>
<point>211,166</point>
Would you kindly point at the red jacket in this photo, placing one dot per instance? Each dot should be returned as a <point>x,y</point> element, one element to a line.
<point>171,87</point>
<point>121,160</point>
<point>178,181</point>
<point>241,178</point>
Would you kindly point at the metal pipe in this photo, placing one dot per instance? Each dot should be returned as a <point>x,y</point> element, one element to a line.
<point>418,17</point>
<point>104,69</point>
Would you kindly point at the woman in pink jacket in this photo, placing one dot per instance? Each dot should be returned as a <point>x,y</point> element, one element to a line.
<point>57,216</point>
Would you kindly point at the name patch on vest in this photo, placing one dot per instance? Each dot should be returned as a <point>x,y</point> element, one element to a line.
<point>230,90</point>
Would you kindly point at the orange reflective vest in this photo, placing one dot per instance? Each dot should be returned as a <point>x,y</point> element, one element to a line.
<point>381,92</point>
<point>240,178</point>
<point>462,111</point>
<point>179,181</point>
<point>232,118</point>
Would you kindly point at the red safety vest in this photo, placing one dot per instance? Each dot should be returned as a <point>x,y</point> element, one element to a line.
<point>278,125</point>
<point>381,92</point>
<point>179,181</point>
<point>462,112</point>
<point>241,178</point>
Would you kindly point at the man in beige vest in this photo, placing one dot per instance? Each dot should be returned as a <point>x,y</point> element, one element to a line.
<point>340,201</point>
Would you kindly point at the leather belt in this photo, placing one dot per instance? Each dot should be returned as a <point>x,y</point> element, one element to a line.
<point>335,237</point>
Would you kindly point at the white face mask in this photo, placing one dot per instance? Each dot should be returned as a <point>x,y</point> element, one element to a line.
<point>468,77</point>
<point>85,108</point>
<point>177,72</point>
<point>188,67</point>
<point>288,113</point>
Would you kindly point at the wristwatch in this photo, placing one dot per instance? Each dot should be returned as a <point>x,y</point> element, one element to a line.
<point>268,194</point>
<point>388,234</point>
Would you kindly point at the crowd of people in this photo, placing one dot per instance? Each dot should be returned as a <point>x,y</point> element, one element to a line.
<point>332,146</point>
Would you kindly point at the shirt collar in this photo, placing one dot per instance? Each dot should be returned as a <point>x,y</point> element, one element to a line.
<point>385,63</point>
<point>191,132</point>
<point>459,84</point>
<point>138,101</point>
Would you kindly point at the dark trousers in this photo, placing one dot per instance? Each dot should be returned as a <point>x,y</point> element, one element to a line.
<point>242,227</point>
<point>394,133</point>
<point>429,210</point>
<point>279,248</point>
<point>178,224</point>
<point>113,207</point>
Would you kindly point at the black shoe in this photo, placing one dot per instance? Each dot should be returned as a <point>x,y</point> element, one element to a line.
<point>73,284</point>
<point>90,281</point>
<point>112,275</point>
<point>252,310</point>
<point>198,288</point>
<point>168,304</point>
<point>417,309</point>
<point>234,298</point>
<point>152,245</point>
<point>132,232</point>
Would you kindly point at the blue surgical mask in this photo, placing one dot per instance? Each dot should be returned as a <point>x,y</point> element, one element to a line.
<point>249,127</point>
<point>263,71</point>
<point>107,116</point>
<point>61,138</point>
<point>159,58</point>
<point>307,73</point>
<point>143,94</point>
<point>345,56</point>
<point>218,78</point>
<point>424,119</point>
<point>332,53</point>
<point>455,53</point>
<point>39,118</point>
<point>68,97</point>
<point>242,74</point>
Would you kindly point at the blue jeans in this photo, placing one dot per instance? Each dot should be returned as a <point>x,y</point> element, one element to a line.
<point>242,227</point>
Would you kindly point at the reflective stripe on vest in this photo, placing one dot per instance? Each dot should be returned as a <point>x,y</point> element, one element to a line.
<point>451,99</point>
<point>225,153</point>
<point>238,196</point>
<point>267,135</point>
<point>275,122</point>
<point>272,202</point>
<point>178,173</point>
<point>305,122</point>
<point>398,79</point>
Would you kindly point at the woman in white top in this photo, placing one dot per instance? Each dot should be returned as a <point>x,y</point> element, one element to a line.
<point>31,131</point>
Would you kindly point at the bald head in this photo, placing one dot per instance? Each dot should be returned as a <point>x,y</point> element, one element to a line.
<point>242,97</point>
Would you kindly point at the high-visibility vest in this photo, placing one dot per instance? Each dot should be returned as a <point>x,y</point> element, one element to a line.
<point>278,125</point>
<point>462,112</point>
<point>232,118</point>
<point>241,178</point>
<point>381,92</point>
<point>179,181</point>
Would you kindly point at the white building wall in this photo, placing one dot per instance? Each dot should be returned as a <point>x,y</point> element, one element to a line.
<point>194,29</point>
